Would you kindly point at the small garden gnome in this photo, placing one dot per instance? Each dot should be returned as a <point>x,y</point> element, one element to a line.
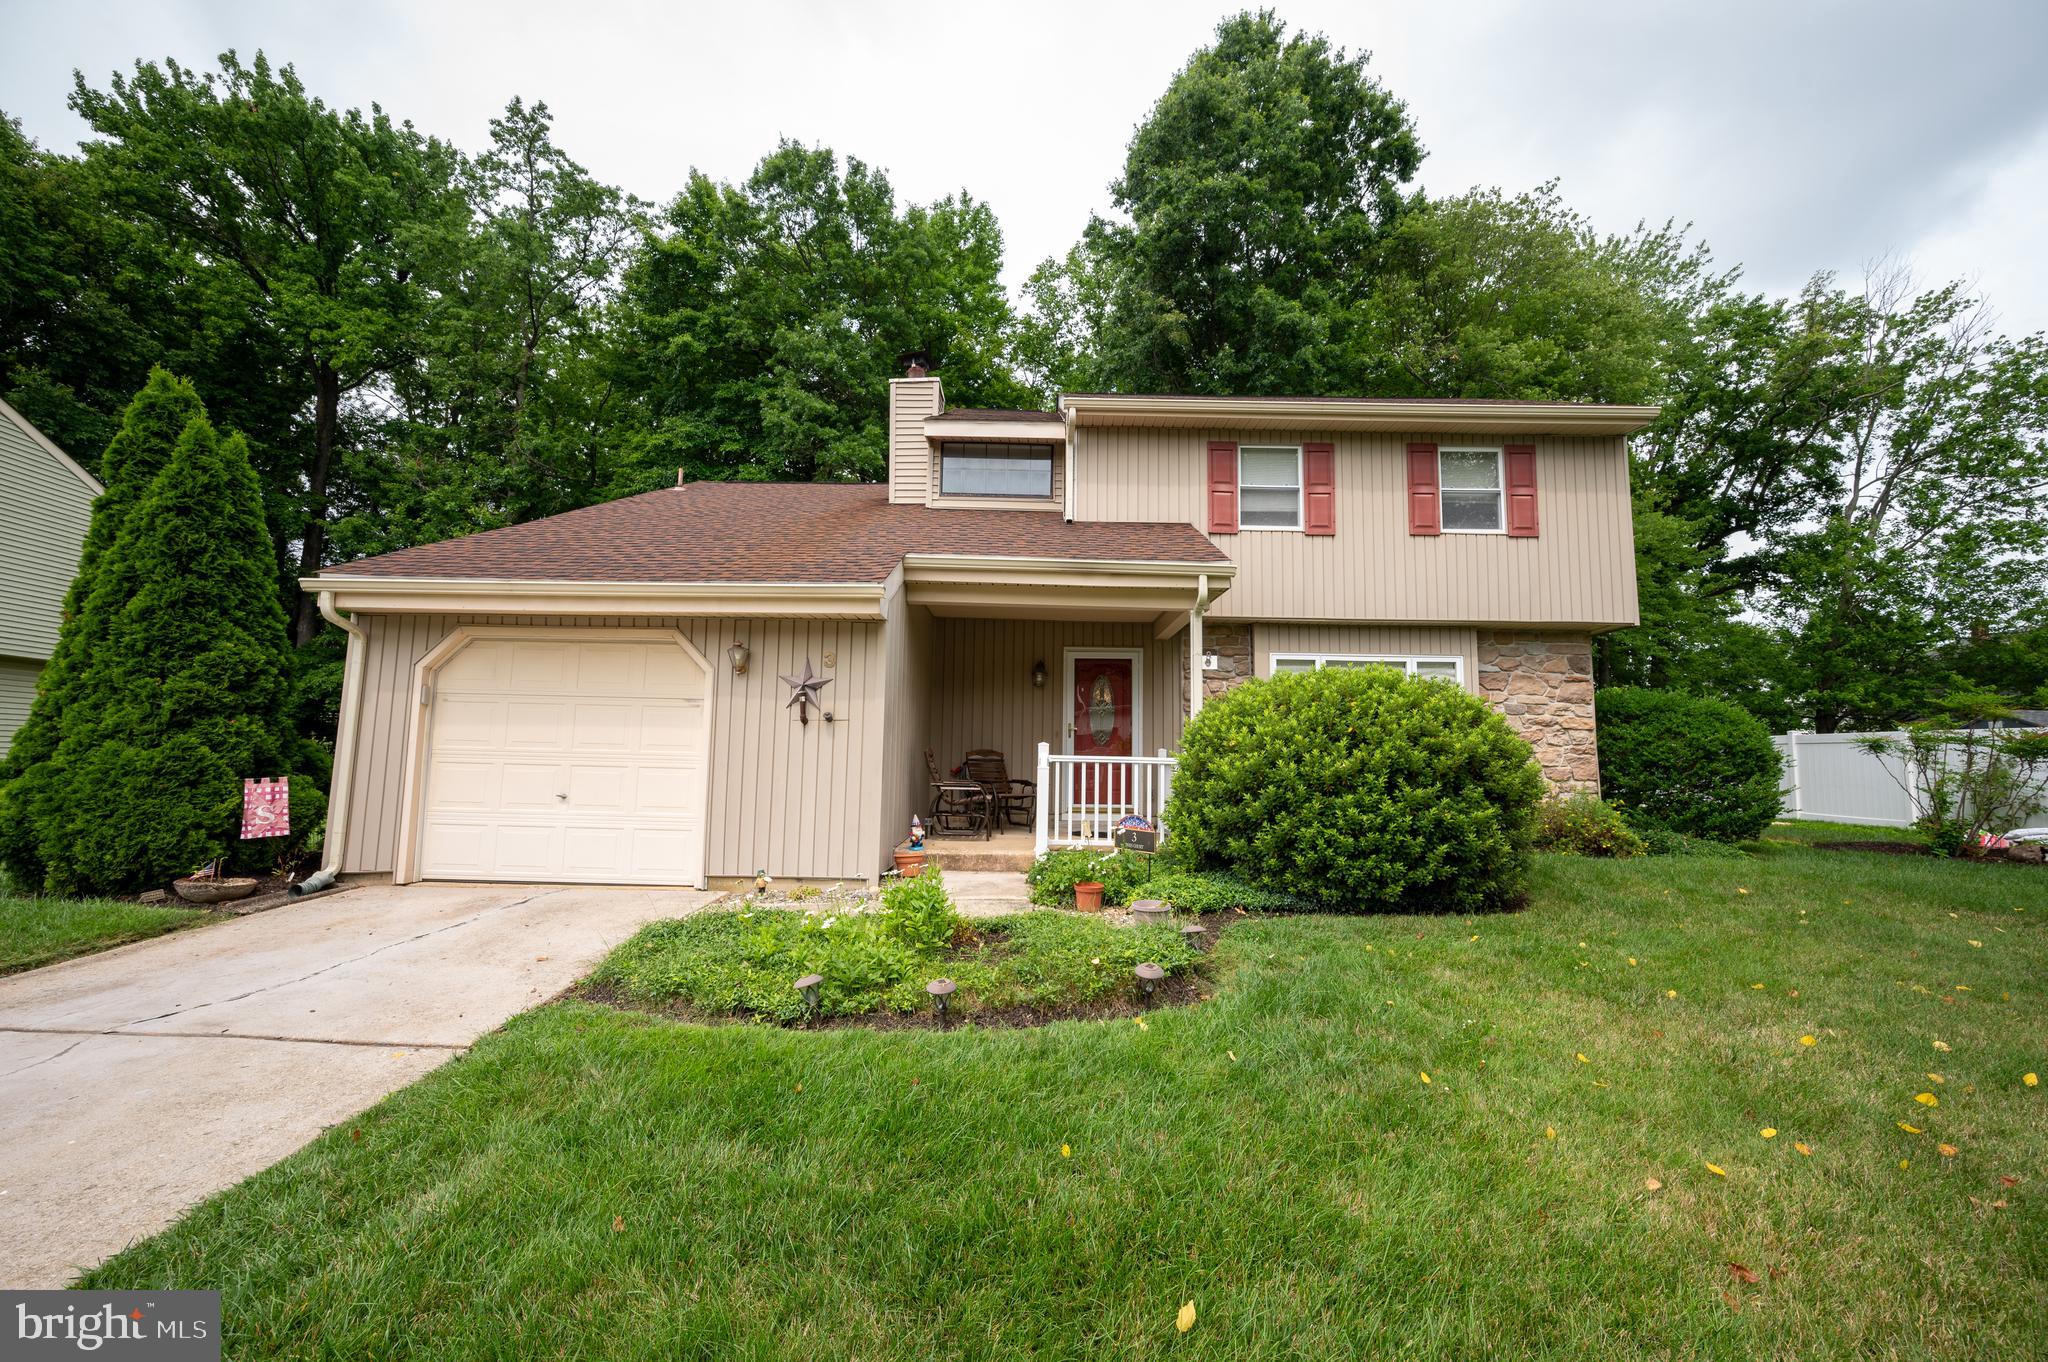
<point>916,833</point>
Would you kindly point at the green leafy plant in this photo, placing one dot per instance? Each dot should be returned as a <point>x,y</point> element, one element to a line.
<point>1212,891</point>
<point>1966,775</point>
<point>1687,763</point>
<point>1123,875</point>
<point>1358,789</point>
<point>1584,825</point>
<point>918,913</point>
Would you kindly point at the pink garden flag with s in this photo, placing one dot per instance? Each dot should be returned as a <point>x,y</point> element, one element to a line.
<point>266,808</point>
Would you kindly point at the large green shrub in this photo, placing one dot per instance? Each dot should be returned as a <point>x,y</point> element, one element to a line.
<point>180,690</point>
<point>1687,764</point>
<point>1358,789</point>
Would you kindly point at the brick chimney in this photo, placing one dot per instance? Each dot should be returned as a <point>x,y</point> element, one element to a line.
<point>912,398</point>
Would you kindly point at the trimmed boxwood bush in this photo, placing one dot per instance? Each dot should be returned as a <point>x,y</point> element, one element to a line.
<point>1356,789</point>
<point>1687,763</point>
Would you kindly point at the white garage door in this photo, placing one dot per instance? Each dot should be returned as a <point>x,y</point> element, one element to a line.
<point>566,762</point>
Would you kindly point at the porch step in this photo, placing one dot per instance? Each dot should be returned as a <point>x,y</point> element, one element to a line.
<point>984,893</point>
<point>977,857</point>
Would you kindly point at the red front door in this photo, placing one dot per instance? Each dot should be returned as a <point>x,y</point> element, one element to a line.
<point>1103,725</point>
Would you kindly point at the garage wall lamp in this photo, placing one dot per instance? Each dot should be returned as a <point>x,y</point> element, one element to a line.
<point>737,654</point>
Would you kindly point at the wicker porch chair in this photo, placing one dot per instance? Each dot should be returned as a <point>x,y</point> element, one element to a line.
<point>1016,800</point>
<point>960,807</point>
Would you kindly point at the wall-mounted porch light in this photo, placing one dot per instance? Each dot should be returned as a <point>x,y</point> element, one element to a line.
<point>1038,675</point>
<point>737,654</point>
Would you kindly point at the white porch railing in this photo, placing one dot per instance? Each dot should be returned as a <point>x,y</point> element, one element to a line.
<point>1081,799</point>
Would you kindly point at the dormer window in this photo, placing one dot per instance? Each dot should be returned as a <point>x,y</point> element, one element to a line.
<point>969,468</point>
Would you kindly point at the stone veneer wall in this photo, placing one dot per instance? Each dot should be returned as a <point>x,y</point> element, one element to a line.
<point>1232,644</point>
<point>1543,685</point>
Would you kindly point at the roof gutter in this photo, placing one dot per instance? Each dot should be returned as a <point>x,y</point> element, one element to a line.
<point>1336,413</point>
<point>394,595</point>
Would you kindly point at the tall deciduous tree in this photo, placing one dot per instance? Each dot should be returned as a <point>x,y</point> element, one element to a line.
<point>1256,193</point>
<point>304,222</point>
<point>184,692</point>
<point>763,320</point>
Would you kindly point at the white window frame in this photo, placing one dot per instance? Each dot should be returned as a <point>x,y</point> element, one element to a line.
<point>1500,490</point>
<point>1052,480</point>
<point>1300,492</point>
<point>1406,662</point>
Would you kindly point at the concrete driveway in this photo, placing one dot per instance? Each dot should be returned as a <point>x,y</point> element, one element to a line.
<point>139,1081</point>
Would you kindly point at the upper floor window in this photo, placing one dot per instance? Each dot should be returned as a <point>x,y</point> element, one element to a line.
<point>1269,487</point>
<point>1423,668</point>
<point>976,469</point>
<point>1470,480</point>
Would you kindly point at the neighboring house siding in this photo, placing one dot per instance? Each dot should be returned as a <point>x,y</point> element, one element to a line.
<point>1578,570</point>
<point>982,694</point>
<point>17,693</point>
<point>44,510</point>
<point>798,801</point>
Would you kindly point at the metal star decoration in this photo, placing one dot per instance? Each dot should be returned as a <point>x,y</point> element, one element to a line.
<point>803,691</point>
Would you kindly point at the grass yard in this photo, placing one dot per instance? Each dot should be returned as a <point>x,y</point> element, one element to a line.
<point>601,1183</point>
<point>42,931</point>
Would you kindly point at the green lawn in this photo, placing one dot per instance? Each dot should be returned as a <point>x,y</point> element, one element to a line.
<point>595,1183</point>
<point>41,931</point>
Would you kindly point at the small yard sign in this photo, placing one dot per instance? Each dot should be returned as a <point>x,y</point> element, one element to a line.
<point>266,808</point>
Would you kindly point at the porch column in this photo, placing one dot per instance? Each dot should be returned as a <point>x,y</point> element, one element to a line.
<point>1195,645</point>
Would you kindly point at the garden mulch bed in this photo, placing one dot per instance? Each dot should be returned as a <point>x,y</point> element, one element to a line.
<point>1176,990</point>
<point>1916,849</point>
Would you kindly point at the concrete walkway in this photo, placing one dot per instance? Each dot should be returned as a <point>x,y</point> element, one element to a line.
<point>136,1082</point>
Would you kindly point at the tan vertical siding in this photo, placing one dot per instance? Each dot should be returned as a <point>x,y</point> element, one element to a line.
<point>911,400</point>
<point>796,800</point>
<point>982,696</point>
<point>906,720</point>
<point>1579,570</point>
<point>45,508</point>
<point>1367,640</point>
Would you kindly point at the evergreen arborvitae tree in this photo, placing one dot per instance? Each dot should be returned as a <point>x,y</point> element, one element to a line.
<point>180,690</point>
<point>149,431</point>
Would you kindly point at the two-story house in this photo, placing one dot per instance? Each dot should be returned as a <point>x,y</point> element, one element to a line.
<point>714,679</point>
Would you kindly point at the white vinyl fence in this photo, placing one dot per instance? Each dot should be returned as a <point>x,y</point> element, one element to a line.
<point>1831,778</point>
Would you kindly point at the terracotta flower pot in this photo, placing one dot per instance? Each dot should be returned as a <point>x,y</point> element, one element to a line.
<point>910,864</point>
<point>1088,896</point>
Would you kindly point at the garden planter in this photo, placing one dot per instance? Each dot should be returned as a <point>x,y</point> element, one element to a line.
<point>213,891</point>
<point>1153,911</point>
<point>910,864</point>
<point>1088,896</point>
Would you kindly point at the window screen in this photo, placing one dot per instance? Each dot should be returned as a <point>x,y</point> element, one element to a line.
<point>974,469</point>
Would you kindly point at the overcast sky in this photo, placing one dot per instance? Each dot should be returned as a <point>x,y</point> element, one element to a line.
<point>1796,135</point>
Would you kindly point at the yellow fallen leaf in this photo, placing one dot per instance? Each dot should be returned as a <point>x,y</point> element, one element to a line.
<point>1550,1132</point>
<point>1926,1099</point>
<point>1631,959</point>
<point>1910,1130</point>
<point>1671,993</point>
<point>1652,1184</point>
<point>799,1087</point>
<point>1978,944</point>
<point>1756,985</point>
<point>1582,1059</point>
<point>2031,1080</point>
<point>1904,1164</point>
<point>1141,1023</point>
<point>1769,1132</point>
<point>1601,1083</point>
<point>618,1224</point>
<point>1740,890</point>
<point>1425,1078</point>
<point>1185,1320</point>
<point>1962,988</point>
<point>1717,1170</point>
<point>1947,1151</point>
<point>1066,1151</point>
<point>1475,936</point>
<point>1803,1148</point>
<point>1232,1054</point>
<point>1936,1078</point>
<point>1942,1046</point>
<point>1809,1040</point>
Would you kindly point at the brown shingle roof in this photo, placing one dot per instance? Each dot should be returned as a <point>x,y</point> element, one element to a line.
<point>997,414</point>
<point>771,532</point>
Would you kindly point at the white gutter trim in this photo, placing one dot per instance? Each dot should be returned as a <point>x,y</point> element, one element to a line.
<point>529,586</point>
<point>1339,412</point>
<point>915,563</point>
<point>1067,493</point>
<point>335,843</point>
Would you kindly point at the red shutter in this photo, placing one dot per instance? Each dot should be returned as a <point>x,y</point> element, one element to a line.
<point>1521,475</point>
<point>1318,489</point>
<point>1222,487</point>
<point>1424,513</point>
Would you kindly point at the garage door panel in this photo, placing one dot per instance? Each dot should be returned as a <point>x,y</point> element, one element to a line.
<point>618,728</point>
<point>671,728</point>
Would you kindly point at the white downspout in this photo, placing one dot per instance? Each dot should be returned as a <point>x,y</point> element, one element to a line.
<point>344,733</point>
<point>1195,613</point>
<point>1073,433</point>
